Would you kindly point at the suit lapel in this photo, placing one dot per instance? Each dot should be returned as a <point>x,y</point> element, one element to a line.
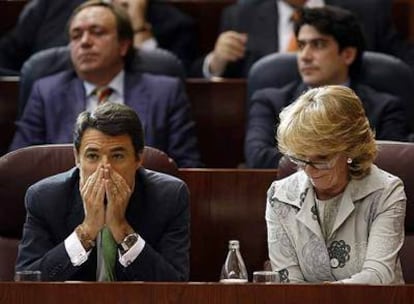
<point>137,95</point>
<point>76,212</point>
<point>73,100</point>
<point>135,207</point>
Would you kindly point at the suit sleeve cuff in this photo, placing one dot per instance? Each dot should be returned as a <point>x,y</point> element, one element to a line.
<point>206,68</point>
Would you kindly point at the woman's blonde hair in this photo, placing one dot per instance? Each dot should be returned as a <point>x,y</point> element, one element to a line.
<point>325,121</point>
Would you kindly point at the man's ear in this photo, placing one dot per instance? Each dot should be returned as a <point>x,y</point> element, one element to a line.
<point>139,160</point>
<point>124,46</point>
<point>75,153</point>
<point>349,54</point>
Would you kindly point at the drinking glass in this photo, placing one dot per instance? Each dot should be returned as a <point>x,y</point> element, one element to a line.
<point>265,277</point>
<point>28,275</point>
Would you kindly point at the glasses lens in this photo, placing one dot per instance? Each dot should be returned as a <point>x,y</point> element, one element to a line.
<point>298,162</point>
<point>320,165</point>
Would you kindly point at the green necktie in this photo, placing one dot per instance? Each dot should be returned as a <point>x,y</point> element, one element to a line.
<point>109,249</point>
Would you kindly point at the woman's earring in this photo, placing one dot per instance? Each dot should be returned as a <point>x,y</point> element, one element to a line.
<point>349,160</point>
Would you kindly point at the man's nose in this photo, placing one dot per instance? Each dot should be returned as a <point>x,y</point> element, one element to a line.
<point>86,38</point>
<point>104,160</point>
<point>305,52</point>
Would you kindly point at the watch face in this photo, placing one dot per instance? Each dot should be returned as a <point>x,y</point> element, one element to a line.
<point>131,239</point>
<point>128,242</point>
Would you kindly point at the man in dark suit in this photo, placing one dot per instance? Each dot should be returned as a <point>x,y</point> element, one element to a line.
<point>250,31</point>
<point>107,201</point>
<point>101,47</point>
<point>330,45</point>
<point>42,25</point>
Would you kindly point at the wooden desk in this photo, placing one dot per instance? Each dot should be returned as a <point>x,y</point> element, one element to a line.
<point>226,204</point>
<point>219,112</point>
<point>200,293</point>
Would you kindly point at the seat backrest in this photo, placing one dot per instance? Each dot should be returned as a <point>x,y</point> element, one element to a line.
<point>57,59</point>
<point>396,158</point>
<point>382,72</point>
<point>21,168</point>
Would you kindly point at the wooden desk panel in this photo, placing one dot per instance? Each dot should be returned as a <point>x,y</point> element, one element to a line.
<point>190,293</point>
<point>219,112</point>
<point>403,16</point>
<point>9,14</point>
<point>226,204</point>
<point>9,94</point>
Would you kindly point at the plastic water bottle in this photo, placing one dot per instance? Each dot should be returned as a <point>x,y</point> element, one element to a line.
<point>233,270</point>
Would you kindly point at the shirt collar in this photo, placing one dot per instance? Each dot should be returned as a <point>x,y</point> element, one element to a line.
<point>116,84</point>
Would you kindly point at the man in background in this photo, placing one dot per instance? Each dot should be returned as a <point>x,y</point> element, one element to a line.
<point>330,43</point>
<point>101,49</point>
<point>254,29</point>
<point>42,25</point>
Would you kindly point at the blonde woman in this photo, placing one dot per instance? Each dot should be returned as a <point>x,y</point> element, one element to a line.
<point>339,218</point>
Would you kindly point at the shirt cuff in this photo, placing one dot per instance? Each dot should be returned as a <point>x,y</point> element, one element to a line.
<point>206,68</point>
<point>75,250</point>
<point>149,44</point>
<point>128,257</point>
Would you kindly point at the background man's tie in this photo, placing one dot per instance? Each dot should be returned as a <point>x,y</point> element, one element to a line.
<point>109,249</point>
<point>293,43</point>
<point>103,93</point>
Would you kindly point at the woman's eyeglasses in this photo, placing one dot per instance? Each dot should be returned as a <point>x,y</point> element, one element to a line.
<point>319,165</point>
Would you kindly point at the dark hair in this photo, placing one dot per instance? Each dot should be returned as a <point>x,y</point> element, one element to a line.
<point>123,24</point>
<point>339,23</point>
<point>111,119</point>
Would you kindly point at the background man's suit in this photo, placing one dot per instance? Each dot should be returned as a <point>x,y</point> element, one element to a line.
<point>385,113</point>
<point>260,22</point>
<point>42,24</point>
<point>158,211</point>
<point>160,102</point>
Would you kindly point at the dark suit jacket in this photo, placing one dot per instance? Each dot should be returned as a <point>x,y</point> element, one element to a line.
<point>260,22</point>
<point>158,211</point>
<point>385,113</point>
<point>42,24</point>
<point>160,101</point>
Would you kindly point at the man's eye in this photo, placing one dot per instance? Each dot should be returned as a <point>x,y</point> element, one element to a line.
<point>319,44</point>
<point>75,36</point>
<point>97,32</point>
<point>118,156</point>
<point>301,45</point>
<point>92,156</point>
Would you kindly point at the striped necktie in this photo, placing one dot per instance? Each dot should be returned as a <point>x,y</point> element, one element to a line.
<point>103,93</point>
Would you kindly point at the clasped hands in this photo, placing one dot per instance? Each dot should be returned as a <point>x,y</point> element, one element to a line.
<point>105,195</point>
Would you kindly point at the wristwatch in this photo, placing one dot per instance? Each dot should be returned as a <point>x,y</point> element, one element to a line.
<point>129,241</point>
